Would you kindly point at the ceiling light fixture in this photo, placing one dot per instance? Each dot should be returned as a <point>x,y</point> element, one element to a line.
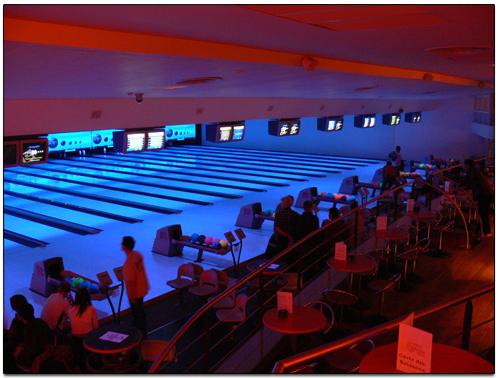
<point>428,77</point>
<point>309,64</point>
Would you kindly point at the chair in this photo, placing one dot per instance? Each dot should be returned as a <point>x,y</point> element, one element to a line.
<point>208,284</point>
<point>383,286</point>
<point>433,222</point>
<point>344,209</point>
<point>327,311</point>
<point>291,279</point>
<point>198,269</point>
<point>185,279</point>
<point>151,349</point>
<point>379,254</point>
<point>348,360</point>
<point>372,273</point>
<point>234,315</point>
<point>439,253</point>
<point>228,301</point>
<point>341,298</point>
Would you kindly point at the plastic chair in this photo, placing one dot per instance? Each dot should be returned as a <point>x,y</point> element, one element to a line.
<point>341,298</point>
<point>228,301</point>
<point>348,360</point>
<point>198,269</point>
<point>151,349</point>
<point>208,284</point>
<point>327,311</point>
<point>234,315</point>
<point>185,279</point>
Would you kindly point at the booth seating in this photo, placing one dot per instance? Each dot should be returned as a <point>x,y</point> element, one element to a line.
<point>170,242</point>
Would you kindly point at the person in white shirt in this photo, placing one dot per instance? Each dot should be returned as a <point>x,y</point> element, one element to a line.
<point>54,311</point>
<point>136,283</point>
<point>82,315</point>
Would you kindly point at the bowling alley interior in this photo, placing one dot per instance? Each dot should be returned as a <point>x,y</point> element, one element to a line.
<point>311,187</point>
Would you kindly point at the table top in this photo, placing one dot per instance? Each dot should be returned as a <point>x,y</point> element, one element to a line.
<point>302,320</point>
<point>361,263</point>
<point>275,268</point>
<point>390,233</point>
<point>94,343</point>
<point>422,213</point>
<point>445,359</point>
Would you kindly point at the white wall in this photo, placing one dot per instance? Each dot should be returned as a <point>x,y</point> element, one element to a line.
<point>444,132</point>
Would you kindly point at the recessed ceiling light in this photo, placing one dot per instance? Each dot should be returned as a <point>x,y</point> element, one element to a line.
<point>171,87</point>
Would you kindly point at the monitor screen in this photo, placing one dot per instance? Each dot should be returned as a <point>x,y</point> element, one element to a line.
<point>238,132</point>
<point>179,132</point>
<point>10,154</point>
<point>332,123</point>
<point>393,120</point>
<point>34,151</point>
<point>295,127</point>
<point>418,117</point>
<point>284,129</point>
<point>372,122</point>
<point>366,122</point>
<point>224,133</point>
<point>155,139</point>
<point>135,142</point>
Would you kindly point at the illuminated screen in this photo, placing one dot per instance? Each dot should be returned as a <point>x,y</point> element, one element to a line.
<point>135,142</point>
<point>180,132</point>
<point>393,120</point>
<point>366,122</point>
<point>332,123</point>
<point>225,133</point>
<point>155,140</point>
<point>294,128</point>
<point>418,117</point>
<point>10,156</point>
<point>284,129</point>
<point>238,132</point>
<point>372,122</point>
<point>33,152</point>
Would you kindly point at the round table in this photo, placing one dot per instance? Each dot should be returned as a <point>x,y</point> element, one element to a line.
<point>275,268</point>
<point>445,360</point>
<point>360,264</point>
<point>389,234</point>
<point>421,214</point>
<point>302,320</point>
<point>113,356</point>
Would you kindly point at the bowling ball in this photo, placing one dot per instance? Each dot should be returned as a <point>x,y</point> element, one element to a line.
<point>85,285</point>
<point>216,240</point>
<point>77,282</point>
<point>323,194</point>
<point>216,245</point>
<point>380,185</point>
<point>343,198</point>
<point>224,244</point>
<point>337,197</point>
<point>429,166</point>
<point>413,174</point>
<point>208,240</point>
<point>421,166</point>
<point>268,212</point>
<point>93,289</point>
<point>351,198</point>
<point>201,239</point>
<point>194,237</point>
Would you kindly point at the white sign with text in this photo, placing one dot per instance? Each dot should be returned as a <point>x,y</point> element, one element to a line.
<point>414,350</point>
<point>382,222</point>
<point>284,301</point>
<point>341,251</point>
<point>409,206</point>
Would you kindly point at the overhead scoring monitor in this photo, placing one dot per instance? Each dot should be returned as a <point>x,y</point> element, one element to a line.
<point>225,132</point>
<point>391,119</point>
<point>413,117</point>
<point>284,127</point>
<point>129,141</point>
<point>330,123</point>
<point>364,121</point>
<point>155,139</point>
<point>33,151</point>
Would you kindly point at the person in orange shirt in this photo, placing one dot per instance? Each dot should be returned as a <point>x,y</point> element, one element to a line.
<point>389,176</point>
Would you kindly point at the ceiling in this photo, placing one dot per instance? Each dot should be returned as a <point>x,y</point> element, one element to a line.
<point>361,51</point>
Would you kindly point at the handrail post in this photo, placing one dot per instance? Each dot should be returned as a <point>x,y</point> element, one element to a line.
<point>395,198</point>
<point>207,366</point>
<point>355,229</point>
<point>467,324</point>
<point>299,265</point>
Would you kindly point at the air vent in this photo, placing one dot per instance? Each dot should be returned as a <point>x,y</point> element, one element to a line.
<point>464,53</point>
<point>198,80</point>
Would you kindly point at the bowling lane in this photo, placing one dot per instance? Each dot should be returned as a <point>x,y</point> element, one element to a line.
<point>260,163</point>
<point>180,170</point>
<point>286,174</point>
<point>262,157</point>
<point>169,198</point>
<point>33,229</point>
<point>279,153</point>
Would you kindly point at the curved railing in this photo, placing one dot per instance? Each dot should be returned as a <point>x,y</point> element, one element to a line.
<point>287,364</point>
<point>352,240</point>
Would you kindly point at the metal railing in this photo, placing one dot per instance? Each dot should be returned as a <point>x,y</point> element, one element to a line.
<point>305,265</point>
<point>311,356</point>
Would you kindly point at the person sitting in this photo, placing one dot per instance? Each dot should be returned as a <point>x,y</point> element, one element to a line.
<point>389,174</point>
<point>82,315</point>
<point>335,232</point>
<point>37,335</point>
<point>54,311</point>
<point>13,336</point>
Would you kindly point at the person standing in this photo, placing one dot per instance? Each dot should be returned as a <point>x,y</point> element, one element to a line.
<point>389,177</point>
<point>136,283</point>
<point>482,193</point>
<point>398,162</point>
